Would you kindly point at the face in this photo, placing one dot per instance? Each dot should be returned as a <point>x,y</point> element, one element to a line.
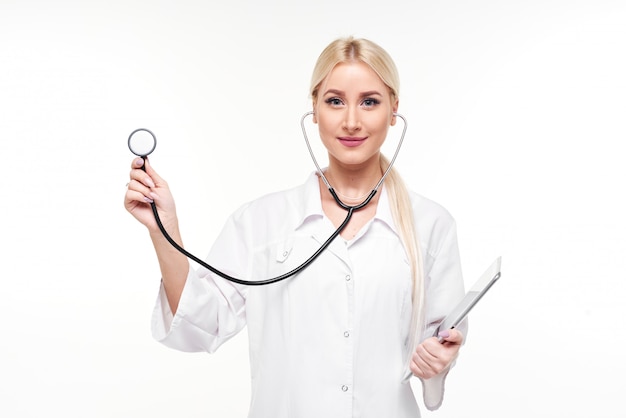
<point>354,110</point>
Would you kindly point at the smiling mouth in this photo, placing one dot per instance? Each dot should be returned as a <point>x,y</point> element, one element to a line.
<point>351,141</point>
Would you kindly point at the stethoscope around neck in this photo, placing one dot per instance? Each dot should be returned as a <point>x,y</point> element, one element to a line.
<point>142,142</point>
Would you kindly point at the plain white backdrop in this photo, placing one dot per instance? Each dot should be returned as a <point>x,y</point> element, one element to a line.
<point>516,117</point>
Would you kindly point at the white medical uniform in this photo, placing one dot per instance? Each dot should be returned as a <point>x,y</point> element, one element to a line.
<point>331,341</point>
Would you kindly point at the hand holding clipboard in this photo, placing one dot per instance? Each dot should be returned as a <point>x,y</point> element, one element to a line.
<point>433,388</point>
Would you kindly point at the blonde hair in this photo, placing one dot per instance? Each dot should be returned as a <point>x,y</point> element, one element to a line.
<point>353,50</point>
<point>345,50</point>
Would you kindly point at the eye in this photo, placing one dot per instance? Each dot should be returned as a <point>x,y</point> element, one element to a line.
<point>370,102</point>
<point>334,101</point>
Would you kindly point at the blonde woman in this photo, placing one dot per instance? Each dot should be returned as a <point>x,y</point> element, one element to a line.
<point>343,337</point>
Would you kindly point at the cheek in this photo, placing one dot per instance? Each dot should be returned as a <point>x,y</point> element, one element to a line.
<point>380,123</point>
<point>328,122</point>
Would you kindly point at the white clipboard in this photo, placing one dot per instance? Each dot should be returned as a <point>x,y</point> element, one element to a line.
<point>482,285</point>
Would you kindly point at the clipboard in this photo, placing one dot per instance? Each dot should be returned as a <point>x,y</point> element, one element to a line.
<point>477,291</point>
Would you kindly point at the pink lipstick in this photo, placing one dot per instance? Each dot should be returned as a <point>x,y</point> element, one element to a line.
<point>351,141</point>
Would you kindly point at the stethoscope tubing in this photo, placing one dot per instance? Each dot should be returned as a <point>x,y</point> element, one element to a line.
<point>329,240</point>
<point>253,282</point>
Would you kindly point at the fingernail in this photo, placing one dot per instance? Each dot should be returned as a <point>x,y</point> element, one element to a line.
<point>138,162</point>
<point>154,195</point>
<point>148,200</point>
<point>149,182</point>
<point>444,334</point>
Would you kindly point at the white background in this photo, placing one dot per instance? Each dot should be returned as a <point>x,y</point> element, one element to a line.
<point>516,116</point>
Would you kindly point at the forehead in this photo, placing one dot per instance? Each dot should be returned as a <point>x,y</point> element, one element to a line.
<point>353,75</point>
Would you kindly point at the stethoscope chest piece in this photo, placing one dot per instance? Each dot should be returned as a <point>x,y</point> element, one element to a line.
<point>142,142</point>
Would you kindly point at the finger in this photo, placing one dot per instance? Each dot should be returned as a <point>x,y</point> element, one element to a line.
<point>425,356</point>
<point>435,356</point>
<point>137,196</point>
<point>451,336</point>
<point>140,175</point>
<point>142,164</point>
<point>422,368</point>
<point>417,371</point>
<point>140,186</point>
<point>137,163</point>
<point>428,350</point>
<point>141,181</point>
<point>140,193</point>
<point>158,180</point>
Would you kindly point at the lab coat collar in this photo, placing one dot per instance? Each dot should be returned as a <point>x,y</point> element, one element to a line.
<point>312,204</point>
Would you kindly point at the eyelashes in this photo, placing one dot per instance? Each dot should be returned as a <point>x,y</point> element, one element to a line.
<point>370,102</point>
<point>367,102</point>
<point>333,101</point>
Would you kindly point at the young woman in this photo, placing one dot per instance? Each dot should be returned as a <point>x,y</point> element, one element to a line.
<point>343,337</point>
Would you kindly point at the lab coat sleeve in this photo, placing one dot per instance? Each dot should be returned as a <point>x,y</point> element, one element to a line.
<point>445,288</point>
<point>211,309</point>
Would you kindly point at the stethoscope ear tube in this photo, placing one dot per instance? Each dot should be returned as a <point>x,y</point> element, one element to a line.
<point>321,172</point>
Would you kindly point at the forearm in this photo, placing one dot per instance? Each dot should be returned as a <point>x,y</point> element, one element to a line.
<point>173,264</point>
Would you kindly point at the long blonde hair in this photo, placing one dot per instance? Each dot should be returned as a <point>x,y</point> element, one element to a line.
<point>362,50</point>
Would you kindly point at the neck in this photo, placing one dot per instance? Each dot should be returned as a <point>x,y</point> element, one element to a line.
<point>353,184</point>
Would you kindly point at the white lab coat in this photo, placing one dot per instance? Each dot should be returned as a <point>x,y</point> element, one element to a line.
<point>331,341</point>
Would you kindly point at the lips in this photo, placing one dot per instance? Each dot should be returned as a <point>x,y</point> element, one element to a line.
<point>351,141</point>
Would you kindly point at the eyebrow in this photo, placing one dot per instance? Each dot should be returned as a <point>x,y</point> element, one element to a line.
<point>363,94</point>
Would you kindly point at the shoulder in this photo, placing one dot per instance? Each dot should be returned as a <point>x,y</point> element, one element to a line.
<point>428,210</point>
<point>274,202</point>
<point>434,223</point>
<point>277,210</point>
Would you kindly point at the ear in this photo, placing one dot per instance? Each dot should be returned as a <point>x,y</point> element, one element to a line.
<point>394,108</point>
<point>314,114</point>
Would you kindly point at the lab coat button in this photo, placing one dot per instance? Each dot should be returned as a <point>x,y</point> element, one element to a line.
<point>348,277</point>
<point>346,334</point>
<point>344,388</point>
<point>282,252</point>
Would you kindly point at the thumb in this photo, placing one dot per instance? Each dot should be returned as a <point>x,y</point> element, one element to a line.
<point>451,336</point>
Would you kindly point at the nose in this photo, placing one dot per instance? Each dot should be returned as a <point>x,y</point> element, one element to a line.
<point>351,121</point>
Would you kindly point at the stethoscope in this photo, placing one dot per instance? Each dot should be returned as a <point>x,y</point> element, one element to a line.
<point>142,142</point>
